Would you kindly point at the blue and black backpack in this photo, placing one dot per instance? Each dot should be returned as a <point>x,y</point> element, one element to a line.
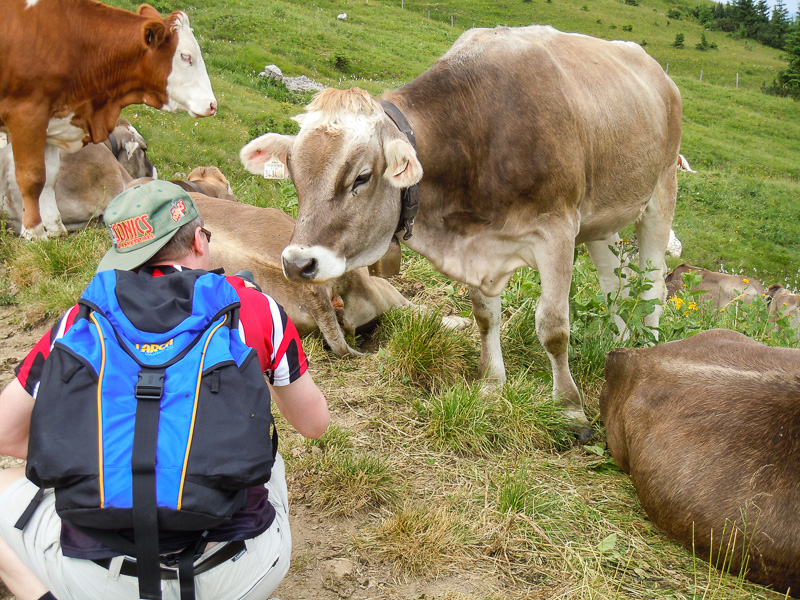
<point>152,415</point>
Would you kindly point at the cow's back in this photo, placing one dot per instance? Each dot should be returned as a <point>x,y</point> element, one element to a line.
<point>709,430</point>
<point>518,115</point>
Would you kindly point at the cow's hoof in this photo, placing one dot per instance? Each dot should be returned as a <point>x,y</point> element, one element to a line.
<point>36,233</point>
<point>456,323</point>
<point>583,434</point>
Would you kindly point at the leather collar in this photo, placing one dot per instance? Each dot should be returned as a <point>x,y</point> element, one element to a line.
<point>409,197</point>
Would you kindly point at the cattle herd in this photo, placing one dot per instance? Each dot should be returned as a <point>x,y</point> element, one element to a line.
<point>509,151</point>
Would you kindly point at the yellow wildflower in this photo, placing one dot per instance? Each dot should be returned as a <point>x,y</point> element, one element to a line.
<point>677,301</point>
<point>745,280</point>
<point>692,306</point>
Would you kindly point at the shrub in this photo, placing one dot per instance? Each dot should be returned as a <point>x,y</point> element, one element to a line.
<point>679,40</point>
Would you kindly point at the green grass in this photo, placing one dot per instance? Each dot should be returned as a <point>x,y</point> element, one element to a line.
<point>442,478</point>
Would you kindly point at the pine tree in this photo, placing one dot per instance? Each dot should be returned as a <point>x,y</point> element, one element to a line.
<point>790,76</point>
<point>679,39</point>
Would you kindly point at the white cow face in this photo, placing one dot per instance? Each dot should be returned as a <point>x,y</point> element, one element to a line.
<point>348,177</point>
<point>188,85</point>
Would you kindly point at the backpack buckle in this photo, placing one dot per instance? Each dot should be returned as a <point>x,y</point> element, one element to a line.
<point>150,385</point>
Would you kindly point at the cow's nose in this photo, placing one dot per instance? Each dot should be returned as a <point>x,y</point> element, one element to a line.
<point>213,108</point>
<point>304,269</point>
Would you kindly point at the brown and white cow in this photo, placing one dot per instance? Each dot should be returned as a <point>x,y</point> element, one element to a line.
<point>709,430</point>
<point>68,67</point>
<point>720,288</point>
<point>252,238</point>
<point>530,140</point>
<point>87,180</point>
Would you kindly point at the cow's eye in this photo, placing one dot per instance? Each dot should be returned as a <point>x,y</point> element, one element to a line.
<point>187,58</point>
<point>361,180</point>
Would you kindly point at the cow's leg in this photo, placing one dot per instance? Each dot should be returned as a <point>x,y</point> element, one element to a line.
<point>27,134</point>
<point>605,261</point>
<point>48,207</point>
<point>554,259</point>
<point>318,301</point>
<point>487,311</point>
<point>652,231</point>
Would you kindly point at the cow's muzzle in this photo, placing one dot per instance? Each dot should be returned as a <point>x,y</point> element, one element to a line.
<point>311,265</point>
<point>304,270</point>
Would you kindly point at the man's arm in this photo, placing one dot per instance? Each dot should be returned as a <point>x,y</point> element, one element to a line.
<point>304,405</point>
<point>16,406</point>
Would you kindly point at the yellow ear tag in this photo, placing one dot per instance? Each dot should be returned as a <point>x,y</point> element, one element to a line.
<point>274,169</point>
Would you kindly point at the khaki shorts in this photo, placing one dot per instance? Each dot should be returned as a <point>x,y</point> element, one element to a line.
<point>254,574</point>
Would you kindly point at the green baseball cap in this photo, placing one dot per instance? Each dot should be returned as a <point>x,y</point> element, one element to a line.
<point>141,220</point>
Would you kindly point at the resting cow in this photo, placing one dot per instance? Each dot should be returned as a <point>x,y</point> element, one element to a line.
<point>531,141</point>
<point>209,181</point>
<point>252,238</point>
<point>87,180</point>
<point>720,288</point>
<point>785,303</point>
<point>68,67</point>
<point>130,149</point>
<point>709,430</point>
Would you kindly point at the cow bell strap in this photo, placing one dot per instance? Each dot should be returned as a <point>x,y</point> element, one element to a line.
<point>409,197</point>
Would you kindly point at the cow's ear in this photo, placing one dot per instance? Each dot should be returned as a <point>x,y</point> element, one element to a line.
<point>154,33</point>
<point>403,169</point>
<point>145,10</point>
<point>262,149</point>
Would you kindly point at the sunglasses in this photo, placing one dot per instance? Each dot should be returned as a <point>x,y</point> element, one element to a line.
<point>207,233</point>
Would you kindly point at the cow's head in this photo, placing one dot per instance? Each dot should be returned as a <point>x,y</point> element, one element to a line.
<point>348,164</point>
<point>187,84</point>
<point>131,151</point>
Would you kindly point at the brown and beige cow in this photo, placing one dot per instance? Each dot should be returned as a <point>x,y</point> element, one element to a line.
<point>528,142</point>
<point>247,237</point>
<point>68,67</point>
<point>87,180</point>
<point>785,303</point>
<point>709,430</point>
<point>720,288</point>
<point>209,181</point>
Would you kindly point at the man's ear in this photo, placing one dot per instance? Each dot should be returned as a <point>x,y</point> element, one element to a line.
<point>403,169</point>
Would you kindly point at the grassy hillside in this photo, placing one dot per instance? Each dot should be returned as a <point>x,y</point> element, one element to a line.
<point>743,203</point>
<point>436,490</point>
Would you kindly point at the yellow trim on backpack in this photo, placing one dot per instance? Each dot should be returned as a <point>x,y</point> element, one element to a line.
<point>100,410</point>
<point>194,410</point>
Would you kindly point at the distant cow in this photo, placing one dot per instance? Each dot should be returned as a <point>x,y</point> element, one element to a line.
<point>721,288</point>
<point>87,179</point>
<point>709,430</point>
<point>208,181</point>
<point>68,67</point>
<point>786,303</point>
<point>252,238</point>
<point>531,141</point>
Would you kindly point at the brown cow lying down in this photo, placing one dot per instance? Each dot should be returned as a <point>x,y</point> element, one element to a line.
<point>721,288</point>
<point>781,299</point>
<point>208,181</point>
<point>87,180</point>
<point>709,430</point>
<point>252,238</point>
